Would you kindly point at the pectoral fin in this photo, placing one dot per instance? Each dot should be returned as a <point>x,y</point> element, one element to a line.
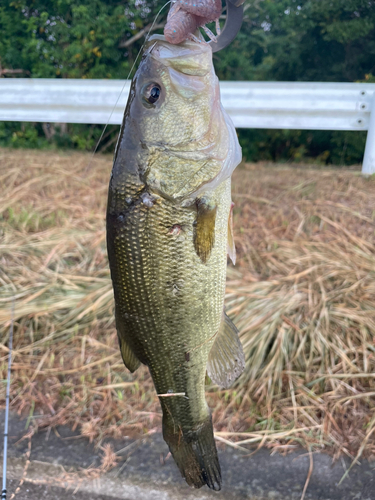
<point>204,231</point>
<point>231,246</point>
<point>129,358</point>
<point>226,360</point>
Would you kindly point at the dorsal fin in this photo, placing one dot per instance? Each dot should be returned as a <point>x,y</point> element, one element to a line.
<point>231,249</point>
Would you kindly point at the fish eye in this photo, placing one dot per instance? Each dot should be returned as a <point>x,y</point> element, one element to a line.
<point>151,93</point>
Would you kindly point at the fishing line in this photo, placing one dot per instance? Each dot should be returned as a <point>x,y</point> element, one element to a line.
<point>130,72</point>
<point>10,345</point>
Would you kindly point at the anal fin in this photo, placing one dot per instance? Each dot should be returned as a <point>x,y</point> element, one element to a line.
<point>226,360</point>
<point>129,358</point>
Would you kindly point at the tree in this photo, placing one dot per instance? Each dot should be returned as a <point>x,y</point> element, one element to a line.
<point>65,39</point>
<point>291,40</point>
<point>303,40</point>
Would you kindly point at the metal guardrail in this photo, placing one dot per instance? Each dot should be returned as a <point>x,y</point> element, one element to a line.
<point>276,105</point>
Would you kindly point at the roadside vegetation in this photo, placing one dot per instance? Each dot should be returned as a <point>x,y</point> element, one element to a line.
<point>302,295</point>
<point>283,40</point>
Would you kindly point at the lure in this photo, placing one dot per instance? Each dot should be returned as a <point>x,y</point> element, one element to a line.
<point>186,16</point>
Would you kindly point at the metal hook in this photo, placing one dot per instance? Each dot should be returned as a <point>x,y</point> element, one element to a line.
<point>232,25</point>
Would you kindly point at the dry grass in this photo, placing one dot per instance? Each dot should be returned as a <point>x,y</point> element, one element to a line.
<point>303,296</point>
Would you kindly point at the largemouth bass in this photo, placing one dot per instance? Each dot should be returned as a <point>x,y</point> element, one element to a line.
<point>168,233</point>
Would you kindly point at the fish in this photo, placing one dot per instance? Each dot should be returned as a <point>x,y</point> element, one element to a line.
<point>169,231</point>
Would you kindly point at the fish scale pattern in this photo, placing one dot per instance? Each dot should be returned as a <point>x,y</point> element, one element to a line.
<point>169,301</point>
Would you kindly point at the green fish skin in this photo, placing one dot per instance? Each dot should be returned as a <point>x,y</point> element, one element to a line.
<point>168,217</point>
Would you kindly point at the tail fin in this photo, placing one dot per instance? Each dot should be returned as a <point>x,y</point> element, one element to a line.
<point>194,452</point>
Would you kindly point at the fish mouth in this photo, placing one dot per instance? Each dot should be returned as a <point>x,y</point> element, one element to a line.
<point>190,58</point>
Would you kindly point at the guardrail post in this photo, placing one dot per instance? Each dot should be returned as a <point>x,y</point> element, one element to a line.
<point>368,165</point>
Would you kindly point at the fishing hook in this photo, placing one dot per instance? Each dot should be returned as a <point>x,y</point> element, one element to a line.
<point>232,25</point>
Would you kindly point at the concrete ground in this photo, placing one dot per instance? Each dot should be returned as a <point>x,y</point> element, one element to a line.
<point>58,460</point>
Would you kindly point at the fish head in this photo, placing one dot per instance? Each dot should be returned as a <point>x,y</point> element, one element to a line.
<point>175,91</point>
<point>174,118</point>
